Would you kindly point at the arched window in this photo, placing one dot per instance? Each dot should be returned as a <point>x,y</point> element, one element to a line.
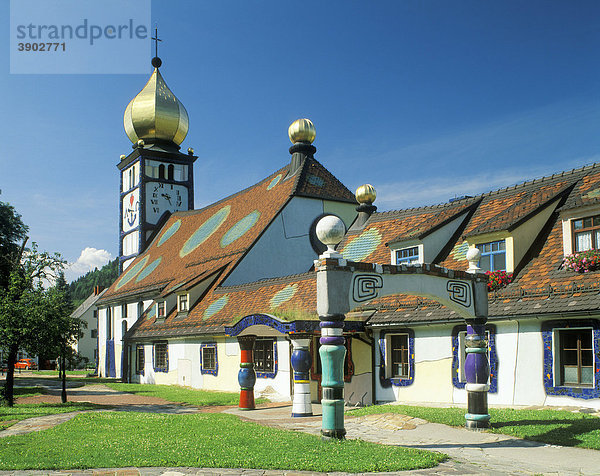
<point>161,171</point>
<point>171,170</point>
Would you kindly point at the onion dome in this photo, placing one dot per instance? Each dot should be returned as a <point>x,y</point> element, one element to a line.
<point>155,113</point>
<point>302,130</point>
<point>366,194</point>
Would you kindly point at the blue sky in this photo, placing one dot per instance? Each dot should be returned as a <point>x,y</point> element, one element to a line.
<point>423,99</point>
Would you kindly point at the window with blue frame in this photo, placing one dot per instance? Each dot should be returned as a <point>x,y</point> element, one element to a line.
<point>459,355</point>
<point>407,255</point>
<point>161,357</point>
<point>493,256</point>
<point>208,359</point>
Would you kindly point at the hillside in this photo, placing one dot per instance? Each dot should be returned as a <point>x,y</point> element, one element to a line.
<point>83,286</point>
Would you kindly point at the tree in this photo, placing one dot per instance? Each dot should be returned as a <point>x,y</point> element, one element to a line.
<point>31,318</point>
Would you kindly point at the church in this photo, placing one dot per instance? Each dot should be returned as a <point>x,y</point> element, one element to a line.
<point>204,293</point>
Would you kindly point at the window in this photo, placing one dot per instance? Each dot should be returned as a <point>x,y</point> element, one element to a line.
<point>493,256</point>
<point>183,303</point>
<point>94,334</point>
<point>123,311</point>
<point>170,171</point>
<point>161,357</point>
<point>161,171</point>
<point>576,357</point>
<point>316,369</point>
<point>123,328</point>
<point>95,313</point>
<point>586,233</point>
<point>399,356</point>
<point>139,359</point>
<point>140,307</point>
<point>208,356</point>
<point>407,255</point>
<point>462,348</point>
<point>160,309</point>
<point>263,355</point>
<point>109,327</point>
<point>396,358</point>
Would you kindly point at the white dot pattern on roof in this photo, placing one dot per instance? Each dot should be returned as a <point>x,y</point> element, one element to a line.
<point>240,228</point>
<point>274,182</point>
<point>215,306</point>
<point>205,231</point>
<point>363,245</point>
<point>131,272</point>
<point>169,233</point>
<point>147,271</point>
<point>284,295</point>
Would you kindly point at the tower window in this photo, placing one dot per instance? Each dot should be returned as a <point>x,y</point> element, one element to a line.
<point>171,171</point>
<point>161,171</point>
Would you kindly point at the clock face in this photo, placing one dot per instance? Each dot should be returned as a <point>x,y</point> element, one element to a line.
<point>131,210</point>
<point>161,197</point>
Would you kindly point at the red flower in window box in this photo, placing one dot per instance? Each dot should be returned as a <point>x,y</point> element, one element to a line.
<point>498,279</point>
<point>583,262</point>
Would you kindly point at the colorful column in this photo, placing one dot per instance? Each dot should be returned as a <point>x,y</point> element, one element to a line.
<point>332,353</point>
<point>477,372</point>
<point>246,375</point>
<point>301,362</point>
<point>477,367</point>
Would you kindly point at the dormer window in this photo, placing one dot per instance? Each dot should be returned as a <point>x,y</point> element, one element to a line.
<point>407,255</point>
<point>586,233</point>
<point>183,303</point>
<point>161,309</point>
<point>493,256</point>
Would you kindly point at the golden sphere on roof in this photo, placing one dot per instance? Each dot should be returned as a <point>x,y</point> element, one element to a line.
<point>190,151</point>
<point>122,156</point>
<point>140,143</point>
<point>156,114</point>
<point>366,194</point>
<point>302,130</point>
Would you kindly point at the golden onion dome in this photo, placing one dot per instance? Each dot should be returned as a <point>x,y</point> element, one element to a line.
<point>155,113</point>
<point>302,130</point>
<point>366,194</point>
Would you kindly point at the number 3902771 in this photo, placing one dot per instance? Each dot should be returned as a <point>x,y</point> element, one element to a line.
<point>42,47</point>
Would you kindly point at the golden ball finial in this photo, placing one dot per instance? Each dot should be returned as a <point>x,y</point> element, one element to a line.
<point>302,130</point>
<point>141,143</point>
<point>366,194</point>
<point>122,156</point>
<point>190,151</point>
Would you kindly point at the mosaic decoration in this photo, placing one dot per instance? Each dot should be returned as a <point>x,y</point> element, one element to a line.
<point>592,194</point>
<point>131,272</point>
<point>214,371</point>
<point>147,271</point>
<point>459,252</point>
<point>274,182</point>
<point>240,228</point>
<point>215,307</point>
<point>492,356</point>
<point>363,245</point>
<point>397,382</point>
<point>205,231</point>
<point>169,233</point>
<point>547,337</point>
<point>314,180</point>
<point>284,295</point>
<point>256,320</point>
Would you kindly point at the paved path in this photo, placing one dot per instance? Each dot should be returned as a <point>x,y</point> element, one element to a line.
<point>471,452</point>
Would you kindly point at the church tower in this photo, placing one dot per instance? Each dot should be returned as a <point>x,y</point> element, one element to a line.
<point>156,178</point>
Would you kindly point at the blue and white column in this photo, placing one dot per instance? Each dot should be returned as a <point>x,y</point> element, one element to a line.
<point>301,363</point>
<point>477,367</point>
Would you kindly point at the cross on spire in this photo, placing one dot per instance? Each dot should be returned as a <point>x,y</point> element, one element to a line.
<point>156,40</point>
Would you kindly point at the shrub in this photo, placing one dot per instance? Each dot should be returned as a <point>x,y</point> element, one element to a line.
<point>498,279</point>
<point>583,261</point>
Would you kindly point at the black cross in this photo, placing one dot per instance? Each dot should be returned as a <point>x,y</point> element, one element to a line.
<point>156,40</point>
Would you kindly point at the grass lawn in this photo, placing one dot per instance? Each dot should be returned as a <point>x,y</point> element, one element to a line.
<point>10,415</point>
<point>556,427</point>
<point>198,440</point>
<point>79,373</point>
<point>176,394</point>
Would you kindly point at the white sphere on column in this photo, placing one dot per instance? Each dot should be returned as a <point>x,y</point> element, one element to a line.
<point>330,230</point>
<point>473,257</point>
